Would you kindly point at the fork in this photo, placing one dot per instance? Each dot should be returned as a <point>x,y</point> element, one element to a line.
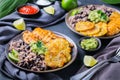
<point>86,75</point>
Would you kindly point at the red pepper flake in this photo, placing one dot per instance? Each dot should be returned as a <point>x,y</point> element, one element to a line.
<point>28,10</point>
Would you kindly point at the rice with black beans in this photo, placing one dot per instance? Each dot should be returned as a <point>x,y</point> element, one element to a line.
<point>28,59</point>
<point>83,15</point>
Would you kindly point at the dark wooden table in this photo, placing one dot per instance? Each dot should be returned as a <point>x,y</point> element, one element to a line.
<point>62,28</point>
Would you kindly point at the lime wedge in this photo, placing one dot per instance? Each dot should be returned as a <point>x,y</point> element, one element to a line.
<point>12,57</point>
<point>49,10</point>
<point>14,53</point>
<point>19,24</point>
<point>89,61</point>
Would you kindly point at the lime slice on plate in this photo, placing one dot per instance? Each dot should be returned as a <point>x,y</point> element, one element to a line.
<point>12,57</point>
<point>89,61</point>
<point>19,24</point>
<point>49,10</point>
<point>14,53</point>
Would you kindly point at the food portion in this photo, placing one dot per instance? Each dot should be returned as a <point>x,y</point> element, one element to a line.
<point>89,44</point>
<point>38,47</point>
<point>84,26</point>
<point>58,52</point>
<point>40,50</point>
<point>13,55</point>
<point>114,24</point>
<point>49,10</point>
<point>89,61</point>
<point>98,16</point>
<point>19,24</point>
<point>103,29</point>
<point>28,9</point>
<point>95,21</point>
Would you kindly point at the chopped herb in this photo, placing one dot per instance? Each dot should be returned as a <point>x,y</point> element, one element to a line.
<point>38,47</point>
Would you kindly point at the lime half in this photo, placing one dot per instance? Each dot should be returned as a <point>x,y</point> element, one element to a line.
<point>89,61</point>
<point>49,10</point>
<point>19,24</point>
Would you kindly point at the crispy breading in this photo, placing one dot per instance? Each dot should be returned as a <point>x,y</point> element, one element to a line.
<point>44,35</point>
<point>58,48</point>
<point>38,34</point>
<point>103,29</point>
<point>84,26</point>
<point>58,52</point>
<point>28,37</point>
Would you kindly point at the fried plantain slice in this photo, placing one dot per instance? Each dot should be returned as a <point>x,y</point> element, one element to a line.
<point>114,15</point>
<point>114,24</point>
<point>103,29</point>
<point>112,28</point>
<point>91,32</point>
<point>117,21</point>
<point>84,25</point>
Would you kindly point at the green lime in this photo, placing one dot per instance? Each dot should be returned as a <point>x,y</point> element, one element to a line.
<point>49,10</point>
<point>12,57</point>
<point>89,61</point>
<point>19,24</point>
<point>69,4</point>
<point>14,53</point>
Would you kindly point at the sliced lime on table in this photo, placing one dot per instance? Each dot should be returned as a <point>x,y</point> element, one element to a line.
<point>49,10</point>
<point>89,61</point>
<point>19,24</point>
<point>112,1</point>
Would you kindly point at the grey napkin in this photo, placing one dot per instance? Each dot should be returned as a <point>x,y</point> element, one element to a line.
<point>110,71</point>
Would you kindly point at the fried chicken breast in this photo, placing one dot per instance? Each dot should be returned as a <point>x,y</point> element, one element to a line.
<point>28,37</point>
<point>38,34</point>
<point>58,52</point>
